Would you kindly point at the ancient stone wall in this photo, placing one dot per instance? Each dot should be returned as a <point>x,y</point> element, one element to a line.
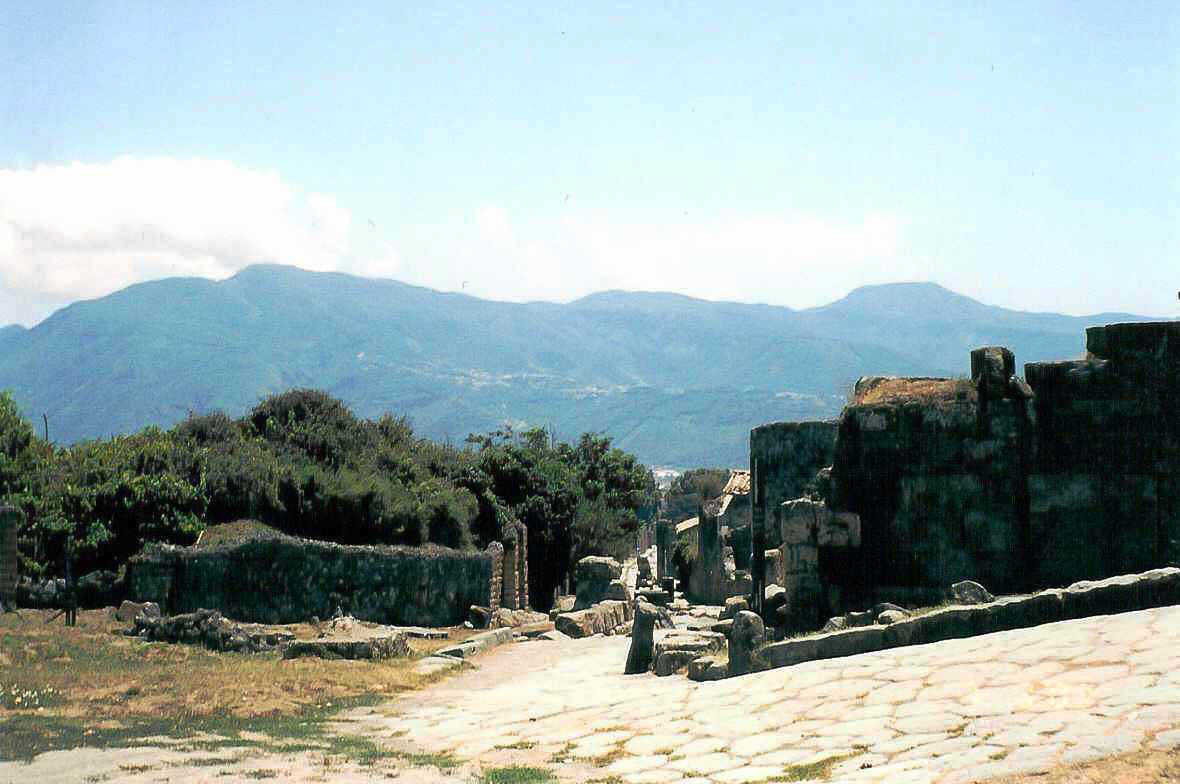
<point>1105,483</point>
<point>10,520</point>
<point>285,580</point>
<point>707,584</point>
<point>1073,475</point>
<point>784,459</point>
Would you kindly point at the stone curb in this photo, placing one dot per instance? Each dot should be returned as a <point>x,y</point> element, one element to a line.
<point>1126,593</point>
<point>481,642</point>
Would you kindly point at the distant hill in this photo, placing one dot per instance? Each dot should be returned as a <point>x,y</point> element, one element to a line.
<point>679,381</point>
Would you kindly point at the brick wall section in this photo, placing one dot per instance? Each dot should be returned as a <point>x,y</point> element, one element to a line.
<point>10,520</point>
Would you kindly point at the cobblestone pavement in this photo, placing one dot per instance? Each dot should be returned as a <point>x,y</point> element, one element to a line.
<point>953,711</point>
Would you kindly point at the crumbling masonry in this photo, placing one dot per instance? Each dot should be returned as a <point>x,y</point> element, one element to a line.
<point>1068,474</point>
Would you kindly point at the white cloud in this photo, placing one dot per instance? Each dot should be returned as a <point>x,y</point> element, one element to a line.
<point>798,260</point>
<point>81,230</point>
<point>78,230</point>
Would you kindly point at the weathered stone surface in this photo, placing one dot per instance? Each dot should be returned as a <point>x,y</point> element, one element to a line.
<point>208,628</point>
<point>513,618</point>
<point>746,637</point>
<point>733,605</point>
<point>891,616</point>
<point>129,610</point>
<point>706,669</point>
<point>283,579</point>
<point>1158,587</point>
<point>642,651</point>
<point>384,647</point>
<point>597,568</point>
<point>970,592</point>
<point>674,651</point>
<point>477,644</point>
<point>597,619</point>
<point>657,596</point>
<point>479,617</point>
<point>835,624</point>
<point>853,620</point>
<point>991,367</point>
<point>619,591</point>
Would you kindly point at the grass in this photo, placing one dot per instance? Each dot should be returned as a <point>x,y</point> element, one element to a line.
<point>89,685</point>
<point>920,390</point>
<point>517,774</point>
<point>814,770</point>
<point>520,744</point>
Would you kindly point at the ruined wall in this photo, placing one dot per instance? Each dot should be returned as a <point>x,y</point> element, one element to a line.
<point>285,580</point>
<point>784,459</point>
<point>1070,476</point>
<point>1105,484</point>
<point>939,484</point>
<point>10,520</point>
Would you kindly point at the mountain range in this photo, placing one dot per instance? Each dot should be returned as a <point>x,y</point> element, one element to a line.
<point>676,380</point>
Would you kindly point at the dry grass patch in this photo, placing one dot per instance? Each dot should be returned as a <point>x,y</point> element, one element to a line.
<point>921,390</point>
<point>90,683</point>
<point>1140,767</point>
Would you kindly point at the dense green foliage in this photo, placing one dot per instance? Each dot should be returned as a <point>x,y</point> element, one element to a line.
<point>676,381</point>
<point>691,489</point>
<point>302,462</point>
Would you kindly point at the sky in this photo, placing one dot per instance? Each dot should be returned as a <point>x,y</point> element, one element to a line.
<point>1025,154</point>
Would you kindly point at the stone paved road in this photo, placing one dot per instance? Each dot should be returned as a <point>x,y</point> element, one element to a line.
<point>953,711</point>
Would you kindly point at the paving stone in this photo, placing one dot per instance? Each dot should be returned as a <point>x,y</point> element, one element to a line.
<point>1167,740</point>
<point>651,744</point>
<point>933,722</point>
<point>637,764</point>
<point>707,764</point>
<point>748,773</point>
<point>755,745</point>
<point>660,776</point>
<point>783,758</point>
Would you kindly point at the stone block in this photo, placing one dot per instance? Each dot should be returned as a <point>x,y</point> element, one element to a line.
<point>705,669</point>
<point>746,637</point>
<point>991,367</point>
<point>596,619</point>
<point>128,611</point>
<point>642,651</point>
<point>850,642</point>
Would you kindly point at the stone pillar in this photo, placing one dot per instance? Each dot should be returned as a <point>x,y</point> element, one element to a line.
<point>709,571</point>
<point>522,569</point>
<point>496,587</point>
<point>10,520</point>
<point>665,541</point>
<point>745,638</point>
<point>509,596</point>
<point>757,537</point>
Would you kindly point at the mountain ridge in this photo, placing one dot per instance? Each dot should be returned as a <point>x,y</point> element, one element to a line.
<point>675,379</point>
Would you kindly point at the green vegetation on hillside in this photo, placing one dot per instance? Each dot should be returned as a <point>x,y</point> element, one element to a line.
<point>675,380</point>
<point>303,463</point>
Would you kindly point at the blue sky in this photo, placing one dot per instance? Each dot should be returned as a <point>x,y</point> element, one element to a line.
<point>1025,154</point>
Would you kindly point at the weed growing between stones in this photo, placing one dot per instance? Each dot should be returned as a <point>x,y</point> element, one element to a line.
<point>517,774</point>
<point>815,770</point>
